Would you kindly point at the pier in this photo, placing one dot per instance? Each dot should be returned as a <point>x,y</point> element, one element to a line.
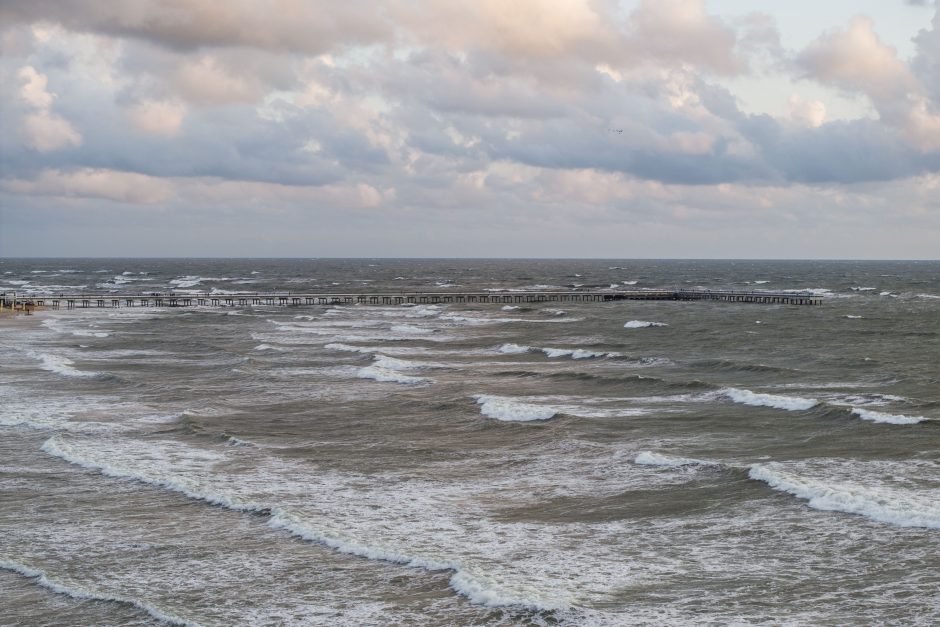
<point>169,299</point>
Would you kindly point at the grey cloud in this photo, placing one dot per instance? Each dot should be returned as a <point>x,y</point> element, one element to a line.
<point>311,27</point>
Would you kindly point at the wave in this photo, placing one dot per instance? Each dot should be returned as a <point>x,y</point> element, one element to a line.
<point>643,324</point>
<point>393,363</point>
<point>898,507</point>
<point>510,307</point>
<point>724,364</point>
<point>268,347</point>
<point>894,419</point>
<point>63,366</point>
<point>81,593</point>
<point>649,458</point>
<point>747,397</point>
<point>51,324</point>
<point>407,328</point>
<point>387,375</point>
<point>574,353</point>
<point>508,410</point>
<point>463,581</point>
<point>478,588</point>
<point>851,317</point>
<point>933,296</point>
<point>61,448</point>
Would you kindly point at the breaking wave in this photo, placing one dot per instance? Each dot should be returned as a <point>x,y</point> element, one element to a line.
<point>78,592</point>
<point>643,324</point>
<point>649,458</point>
<point>894,419</point>
<point>789,403</point>
<point>509,410</point>
<point>898,507</point>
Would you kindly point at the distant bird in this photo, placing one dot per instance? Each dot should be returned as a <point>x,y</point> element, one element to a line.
<point>615,130</point>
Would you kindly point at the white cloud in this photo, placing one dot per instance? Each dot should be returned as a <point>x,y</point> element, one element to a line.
<point>810,113</point>
<point>157,117</point>
<point>43,129</point>
<point>124,187</point>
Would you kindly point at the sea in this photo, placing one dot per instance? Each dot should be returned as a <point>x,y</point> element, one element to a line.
<point>596,463</point>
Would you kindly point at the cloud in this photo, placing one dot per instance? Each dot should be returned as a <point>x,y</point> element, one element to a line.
<point>305,26</point>
<point>157,117</point>
<point>43,129</point>
<point>124,187</point>
<point>810,113</point>
<point>857,60</point>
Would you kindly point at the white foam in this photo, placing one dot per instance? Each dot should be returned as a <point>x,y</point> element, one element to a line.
<point>934,296</point>
<point>649,458</point>
<point>851,317</point>
<point>386,375</point>
<point>63,366</point>
<point>760,282</point>
<point>576,353</point>
<point>513,349</point>
<point>77,591</point>
<point>267,347</point>
<point>392,363</point>
<point>642,324</point>
<point>63,448</point>
<point>629,282</point>
<point>54,325</point>
<point>863,289</point>
<point>509,410</point>
<point>894,419</point>
<point>905,508</point>
<point>473,586</point>
<point>510,307</point>
<point>747,397</point>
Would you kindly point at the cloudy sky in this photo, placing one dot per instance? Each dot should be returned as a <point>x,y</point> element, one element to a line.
<point>523,128</point>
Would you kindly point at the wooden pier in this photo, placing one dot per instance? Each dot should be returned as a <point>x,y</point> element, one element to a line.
<point>169,299</point>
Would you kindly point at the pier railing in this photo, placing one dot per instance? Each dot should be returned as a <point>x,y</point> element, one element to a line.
<point>248,299</point>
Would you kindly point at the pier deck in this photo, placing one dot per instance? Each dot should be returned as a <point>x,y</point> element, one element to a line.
<point>169,299</point>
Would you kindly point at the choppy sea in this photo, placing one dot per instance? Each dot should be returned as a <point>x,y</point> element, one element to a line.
<point>615,463</point>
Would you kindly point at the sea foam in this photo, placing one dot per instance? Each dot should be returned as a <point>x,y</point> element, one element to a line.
<point>643,324</point>
<point>894,419</point>
<point>890,505</point>
<point>747,397</point>
<point>649,458</point>
<point>63,366</point>
<point>509,410</point>
<point>77,591</point>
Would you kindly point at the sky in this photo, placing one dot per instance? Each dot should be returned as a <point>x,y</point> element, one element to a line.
<point>487,128</point>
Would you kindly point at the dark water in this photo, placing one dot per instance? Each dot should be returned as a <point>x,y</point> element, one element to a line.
<point>471,464</point>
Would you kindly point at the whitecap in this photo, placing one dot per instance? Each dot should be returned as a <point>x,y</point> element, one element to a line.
<point>894,419</point>
<point>506,409</point>
<point>747,397</point>
<point>387,375</point>
<point>649,458</point>
<point>576,353</point>
<point>513,349</point>
<point>80,592</point>
<point>904,508</point>
<point>642,324</point>
<point>62,365</point>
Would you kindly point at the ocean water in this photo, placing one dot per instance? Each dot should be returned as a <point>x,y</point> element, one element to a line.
<point>560,464</point>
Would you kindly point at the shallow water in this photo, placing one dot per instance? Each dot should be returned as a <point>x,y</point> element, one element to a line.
<point>473,464</point>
